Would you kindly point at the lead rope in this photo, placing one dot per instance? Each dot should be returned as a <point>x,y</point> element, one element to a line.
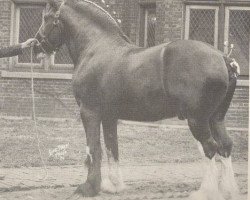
<point>34,115</point>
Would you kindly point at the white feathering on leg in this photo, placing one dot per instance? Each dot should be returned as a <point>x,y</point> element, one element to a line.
<point>114,182</point>
<point>115,175</point>
<point>209,187</point>
<point>228,185</point>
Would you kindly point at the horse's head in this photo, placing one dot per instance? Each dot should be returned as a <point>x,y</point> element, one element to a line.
<point>50,35</point>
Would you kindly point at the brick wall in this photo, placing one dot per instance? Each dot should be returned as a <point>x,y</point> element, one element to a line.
<point>5,23</point>
<point>54,97</point>
<point>238,114</point>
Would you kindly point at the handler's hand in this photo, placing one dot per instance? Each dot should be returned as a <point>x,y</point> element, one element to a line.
<point>29,43</point>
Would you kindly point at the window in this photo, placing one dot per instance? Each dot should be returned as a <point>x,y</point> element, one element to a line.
<point>27,20</point>
<point>62,56</point>
<point>30,19</point>
<point>202,23</point>
<point>237,32</point>
<point>147,25</point>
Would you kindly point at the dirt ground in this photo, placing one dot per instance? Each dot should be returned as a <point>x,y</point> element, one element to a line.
<point>166,181</point>
<point>157,162</point>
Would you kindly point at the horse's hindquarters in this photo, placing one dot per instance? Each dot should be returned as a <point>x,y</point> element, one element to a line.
<point>196,75</point>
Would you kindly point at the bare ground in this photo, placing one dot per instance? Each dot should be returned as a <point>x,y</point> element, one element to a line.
<point>158,162</point>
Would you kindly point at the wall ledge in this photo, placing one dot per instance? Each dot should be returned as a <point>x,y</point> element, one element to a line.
<point>27,75</point>
<point>243,83</point>
<point>67,76</point>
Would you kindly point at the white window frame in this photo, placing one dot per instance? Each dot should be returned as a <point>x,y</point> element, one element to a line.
<point>145,27</point>
<point>15,33</point>
<point>226,31</point>
<point>60,66</point>
<point>201,7</point>
<point>47,63</point>
<point>146,23</point>
<point>141,35</point>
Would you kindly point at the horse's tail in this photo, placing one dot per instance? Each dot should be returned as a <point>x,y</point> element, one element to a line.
<point>224,106</point>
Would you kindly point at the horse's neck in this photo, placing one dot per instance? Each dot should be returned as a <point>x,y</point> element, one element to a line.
<point>83,35</point>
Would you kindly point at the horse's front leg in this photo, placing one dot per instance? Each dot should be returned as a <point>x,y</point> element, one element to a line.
<point>91,121</point>
<point>114,182</point>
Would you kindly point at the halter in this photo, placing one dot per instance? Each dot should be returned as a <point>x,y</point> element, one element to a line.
<point>46,46</point>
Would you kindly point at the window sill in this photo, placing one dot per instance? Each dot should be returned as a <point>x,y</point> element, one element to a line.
<point>243,83</point>
<point>214,2</point>
<point>27,75</point>
<point>67,76</point>
<point>30,1</point>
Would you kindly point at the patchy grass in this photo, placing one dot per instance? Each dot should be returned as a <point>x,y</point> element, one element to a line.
<point>63,143</point>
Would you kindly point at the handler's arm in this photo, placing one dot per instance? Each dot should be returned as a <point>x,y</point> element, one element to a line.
<point>11,51</point>
<point>16,49</point>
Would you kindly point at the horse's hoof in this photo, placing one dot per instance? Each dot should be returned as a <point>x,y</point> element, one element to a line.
<point>230,195</point>
<point>109,187</point>
<point>203,195</point>
<point>210,148</point>
<point>86,190</point>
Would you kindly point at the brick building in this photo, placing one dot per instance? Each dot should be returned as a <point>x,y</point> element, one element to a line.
<point>146,22</point>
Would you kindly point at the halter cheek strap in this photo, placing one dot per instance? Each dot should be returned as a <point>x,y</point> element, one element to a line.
<point>45,44</point>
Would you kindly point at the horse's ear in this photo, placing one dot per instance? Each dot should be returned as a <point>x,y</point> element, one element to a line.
<point>55,3</point>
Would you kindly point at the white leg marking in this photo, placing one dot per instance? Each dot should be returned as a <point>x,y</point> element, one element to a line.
<point>89,154</point>
<point>228,185</point>
<point>200,149</point>
<point>209,187</point>
<point>114,182</point>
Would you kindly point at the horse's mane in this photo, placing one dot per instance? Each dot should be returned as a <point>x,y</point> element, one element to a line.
<point>110,18</point>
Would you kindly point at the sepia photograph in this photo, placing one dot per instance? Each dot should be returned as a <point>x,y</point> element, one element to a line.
<point>124,99</point>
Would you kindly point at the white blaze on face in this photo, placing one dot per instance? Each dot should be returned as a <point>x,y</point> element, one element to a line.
<point>228,184</point>
<point>114,182</point>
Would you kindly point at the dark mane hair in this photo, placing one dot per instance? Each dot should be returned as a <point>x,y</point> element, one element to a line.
<point>100,14</point>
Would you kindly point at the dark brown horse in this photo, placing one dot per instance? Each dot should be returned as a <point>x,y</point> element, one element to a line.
<point>114,79</point>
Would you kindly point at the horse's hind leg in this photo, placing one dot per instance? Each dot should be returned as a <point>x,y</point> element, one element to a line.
<point>228,184</point>
<point>209,186</point>
<point>201,131</point>
<point>114,182</point>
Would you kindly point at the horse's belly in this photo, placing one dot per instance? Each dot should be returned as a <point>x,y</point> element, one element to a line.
<point>148,109</point>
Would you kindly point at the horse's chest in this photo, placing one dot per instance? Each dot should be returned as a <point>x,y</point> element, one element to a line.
<point>85,88</point>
